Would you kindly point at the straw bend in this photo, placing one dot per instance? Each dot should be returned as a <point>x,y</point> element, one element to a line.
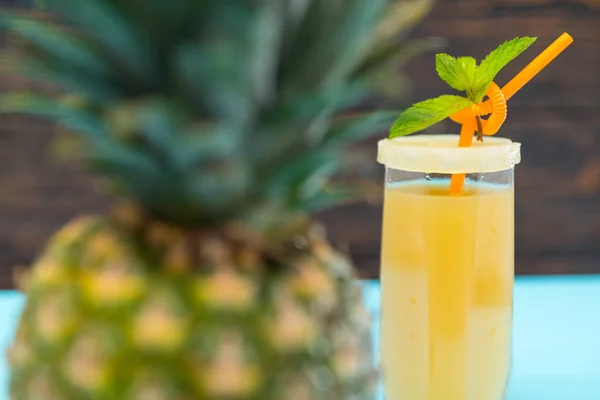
<point>495,106</point>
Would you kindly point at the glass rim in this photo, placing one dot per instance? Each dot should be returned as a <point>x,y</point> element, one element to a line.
<point>440,154</point>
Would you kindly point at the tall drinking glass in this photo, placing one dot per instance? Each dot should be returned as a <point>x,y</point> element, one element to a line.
<point>447,268</point>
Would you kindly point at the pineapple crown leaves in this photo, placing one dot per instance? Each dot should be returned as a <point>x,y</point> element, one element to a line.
<point>203,111</point>
<point>462,74</point>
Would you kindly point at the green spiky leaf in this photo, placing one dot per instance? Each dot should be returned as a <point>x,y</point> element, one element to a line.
<point>358,127</point>
<point>112,30</point>
<point>57,44</point>
<point>43,107</point>
<point>98,89</point>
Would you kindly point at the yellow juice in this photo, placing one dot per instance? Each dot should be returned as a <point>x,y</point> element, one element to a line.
<point>447,277</point>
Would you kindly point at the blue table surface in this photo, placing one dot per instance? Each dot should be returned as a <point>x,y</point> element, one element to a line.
<point>556,349</point>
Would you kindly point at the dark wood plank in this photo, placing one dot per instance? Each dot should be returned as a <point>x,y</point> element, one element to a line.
<point>37,195</point>
<point>460,9</point>
<point>558,182</point>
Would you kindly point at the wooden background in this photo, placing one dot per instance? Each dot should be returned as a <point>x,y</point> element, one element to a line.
<point>556,117</point>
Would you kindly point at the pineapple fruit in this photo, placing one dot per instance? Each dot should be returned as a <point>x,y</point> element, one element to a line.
<point>220,123</point>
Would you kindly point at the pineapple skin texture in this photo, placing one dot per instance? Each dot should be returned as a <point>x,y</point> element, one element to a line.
<point>116,316</point>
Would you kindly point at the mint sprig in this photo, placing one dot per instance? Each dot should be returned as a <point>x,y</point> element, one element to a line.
<point>462,74</point>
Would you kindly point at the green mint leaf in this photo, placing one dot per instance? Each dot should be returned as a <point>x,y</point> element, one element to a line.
<point>448,69</point>
<point>459,73</point>
<point>495,61</point>
<point>427,113</point>
<point>468,66</point>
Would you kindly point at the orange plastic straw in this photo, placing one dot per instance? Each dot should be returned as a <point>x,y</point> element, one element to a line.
<point>539,63</point>
<point>466,139</point>
<point>509,90</point>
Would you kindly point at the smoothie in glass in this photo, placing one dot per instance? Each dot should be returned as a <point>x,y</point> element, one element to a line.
<point>447,272</point>
<point>447,265</point>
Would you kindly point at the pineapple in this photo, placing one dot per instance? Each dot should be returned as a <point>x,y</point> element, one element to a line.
<point>220,123</point>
